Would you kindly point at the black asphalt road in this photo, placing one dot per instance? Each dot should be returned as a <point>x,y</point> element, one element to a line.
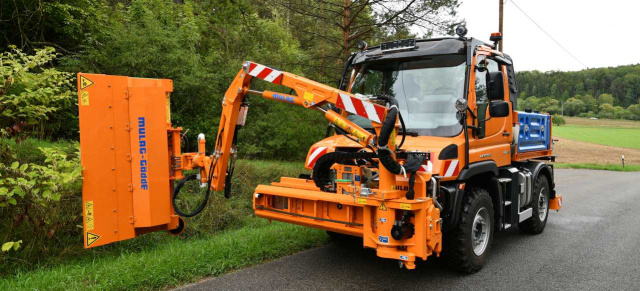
<point>593,243</point>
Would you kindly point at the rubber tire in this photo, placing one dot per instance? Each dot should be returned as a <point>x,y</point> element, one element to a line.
<point>534,225</point>
<point>458,246</point>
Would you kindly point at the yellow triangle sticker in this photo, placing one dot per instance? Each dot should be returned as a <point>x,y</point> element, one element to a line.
<point>308,96</point>
<point>84,82</point>
<point>383,207</point>
<point>91,238</point>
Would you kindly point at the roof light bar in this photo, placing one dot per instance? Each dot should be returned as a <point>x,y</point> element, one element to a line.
<point>405,44</point>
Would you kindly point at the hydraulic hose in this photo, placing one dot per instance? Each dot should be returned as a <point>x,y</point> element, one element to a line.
<point>384,153</point>
<point>388,126</point>
<point>203,204</point>
<point>413,162</point>
<point>404,130</point>
<point>390,123</point>
<point>176,191</point>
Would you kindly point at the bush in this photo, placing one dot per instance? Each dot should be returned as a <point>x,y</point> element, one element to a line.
<point>634,111</point>
<point>558,120</point>
<point>40,200</point>
<point>574,106</point>
<point>42,203</point>
<point>35,100</point>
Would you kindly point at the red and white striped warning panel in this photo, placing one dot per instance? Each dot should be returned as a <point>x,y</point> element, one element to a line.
<point>316,153</point>
<point>265,73</point>
<point>360,107</point>
<point>451,168</point>
<point>426,168</point>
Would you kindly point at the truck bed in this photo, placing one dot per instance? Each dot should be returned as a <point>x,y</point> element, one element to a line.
<point>532,135</point>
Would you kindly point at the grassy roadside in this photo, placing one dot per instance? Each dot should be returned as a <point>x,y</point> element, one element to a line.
<point>225,236</point>
<point>176,262</point>
<point>607,167</point>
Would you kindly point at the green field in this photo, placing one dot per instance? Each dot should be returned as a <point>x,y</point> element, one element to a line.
<point>619,137</point>
<point>611,132</point>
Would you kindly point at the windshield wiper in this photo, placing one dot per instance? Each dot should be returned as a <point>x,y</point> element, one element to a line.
<point>408,132</point>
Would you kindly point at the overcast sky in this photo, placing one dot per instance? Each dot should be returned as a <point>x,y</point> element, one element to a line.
<point>598,33</point>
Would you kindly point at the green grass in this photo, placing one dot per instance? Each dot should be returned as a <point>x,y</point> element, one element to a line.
<point>619,137</point>
<point>174,262</point>
<point>60,262</point>
<point>627,168</point>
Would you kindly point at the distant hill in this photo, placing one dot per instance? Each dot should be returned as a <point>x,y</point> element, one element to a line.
<point>619,85</point>
<point>622,82</point>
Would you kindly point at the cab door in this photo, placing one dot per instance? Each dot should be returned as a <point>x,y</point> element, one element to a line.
<point>491,136</point>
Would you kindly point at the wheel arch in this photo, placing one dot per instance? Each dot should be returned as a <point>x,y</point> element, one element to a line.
<point>481,174</point>
<point>540,168</point>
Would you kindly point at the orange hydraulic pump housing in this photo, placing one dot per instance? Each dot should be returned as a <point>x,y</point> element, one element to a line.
<point>128,192</point>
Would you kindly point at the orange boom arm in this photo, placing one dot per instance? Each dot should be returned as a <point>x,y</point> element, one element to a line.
<point>309,94</point>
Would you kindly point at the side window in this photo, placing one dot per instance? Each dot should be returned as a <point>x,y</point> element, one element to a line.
<point>483,67</point>
<point>368,82</point>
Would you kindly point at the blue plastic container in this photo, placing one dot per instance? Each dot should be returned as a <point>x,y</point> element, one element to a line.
<point>534,133</point>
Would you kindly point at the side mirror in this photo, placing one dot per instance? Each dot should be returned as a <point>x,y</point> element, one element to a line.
<point>499,108</point>
<point>495,85</point>
<point>501,60</point>
<point>461,105</point>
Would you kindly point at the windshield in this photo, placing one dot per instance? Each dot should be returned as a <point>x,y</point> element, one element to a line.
<point>426,91</point>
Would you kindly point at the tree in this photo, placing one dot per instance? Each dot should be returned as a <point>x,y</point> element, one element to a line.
<point>620,113</point>
<point>579,88</point>
<point>558,120</point>
<point>590,102</point>
<point>201,47</point>
<point>632,86</point>
<point>634,111</point>
<point>606,110</point>
<point>605,98</point>
<point>63,24</point>
<point>550,105</point>
<point>573,106</point>
<point>523,95</point>
<point>334,27</point>
<point>554,90</point>
<point>565,95</point>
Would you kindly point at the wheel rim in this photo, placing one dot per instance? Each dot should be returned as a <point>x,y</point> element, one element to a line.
<point>480,232</point>
<point>542,205</point>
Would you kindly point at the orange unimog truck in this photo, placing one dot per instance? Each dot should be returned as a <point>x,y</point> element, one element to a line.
<point>425,153</point>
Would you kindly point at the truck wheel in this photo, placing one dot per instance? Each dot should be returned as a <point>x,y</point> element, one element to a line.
<point>540,205</point>
<point>470,242</point>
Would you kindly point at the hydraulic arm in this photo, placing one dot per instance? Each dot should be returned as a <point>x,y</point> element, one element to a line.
<point>216,168</point>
